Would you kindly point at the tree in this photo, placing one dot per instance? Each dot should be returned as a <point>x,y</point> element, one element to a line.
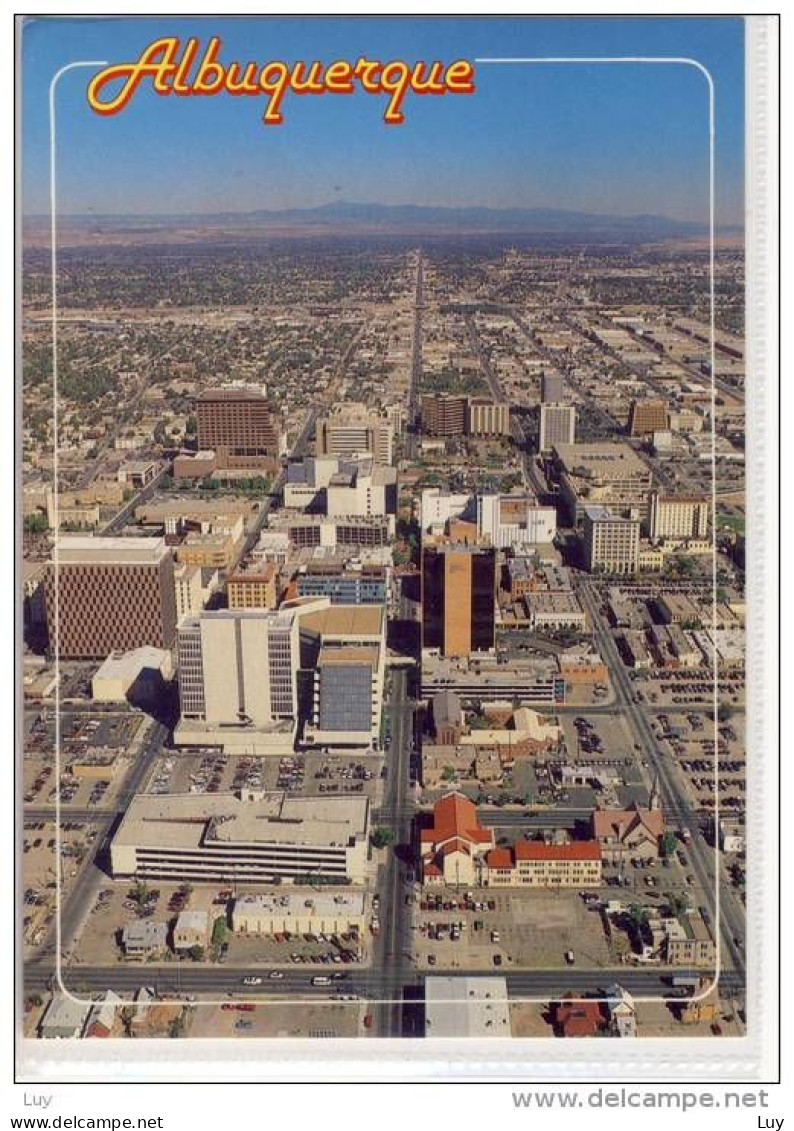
<point>638,917</point>
<point>676,903</point>
<point>35,523</point>
<point>139,893</point>
<point>197,953</point>
<point>220,931</point>
<point>382,837</point>
<point>724,713</point>
<point>668,843</point>
<point>448,773</point>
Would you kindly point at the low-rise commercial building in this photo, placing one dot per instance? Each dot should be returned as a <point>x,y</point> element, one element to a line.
<point>466,1007</point>
<point>254,838</point>
<point>191,929</point>
<point>320,913</point>
<point>143,938</point>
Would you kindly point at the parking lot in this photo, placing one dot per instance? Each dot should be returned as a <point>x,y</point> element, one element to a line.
<point>492,929</point>
<point>115,906</point>
<point>690,741</point>
<point>299,774</point>
<point>289,1018</point>
<point>39,864</point>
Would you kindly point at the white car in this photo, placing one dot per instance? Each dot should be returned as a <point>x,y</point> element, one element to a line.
<point>274,975</point>
<point>252,981</point>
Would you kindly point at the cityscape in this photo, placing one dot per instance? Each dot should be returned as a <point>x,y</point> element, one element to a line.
<point>384,625</point>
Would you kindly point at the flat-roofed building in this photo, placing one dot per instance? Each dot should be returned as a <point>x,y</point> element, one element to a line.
<point>466,1007</point>
<point>458,598</point>
<point>515,521</point>
<point>144,937</point>
<point>248,838</point>
<point>352,429</point>
<point>601,473</point>
<point>677,516</point>
<point>254,586</point>
<point>192,928</point>
<point>344,585</point>
<point>114,595</point>
<point>444,414</point>
<point>555,610</point>
<point>611,541</point>
<point>647,417</point>
<point>487,417</point>
<point>238,679</point>
<point>552,388</point>
<point>240,426</point>
<point>557,425</point>
<point>348,697</point>
<point>331,913</point>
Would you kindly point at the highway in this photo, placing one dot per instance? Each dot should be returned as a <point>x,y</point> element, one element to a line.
<point>732,922</point>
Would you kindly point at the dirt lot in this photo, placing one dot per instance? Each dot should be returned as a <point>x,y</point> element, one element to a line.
<point>280,1019</point>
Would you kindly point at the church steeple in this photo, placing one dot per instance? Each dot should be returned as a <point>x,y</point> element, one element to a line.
<point>655,796</point>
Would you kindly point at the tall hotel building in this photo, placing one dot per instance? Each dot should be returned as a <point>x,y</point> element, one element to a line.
<point>458,598</point>
<point>240,426</point>
<point>677,516</point>
<point>557,426</point>
<point>113,595</point>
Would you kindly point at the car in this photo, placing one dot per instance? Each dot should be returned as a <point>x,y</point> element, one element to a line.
<point>497,960</point>
<point>252,980</point>
<point>275,975</point>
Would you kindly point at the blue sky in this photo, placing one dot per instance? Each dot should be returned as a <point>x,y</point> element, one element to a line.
<point>612,139</point>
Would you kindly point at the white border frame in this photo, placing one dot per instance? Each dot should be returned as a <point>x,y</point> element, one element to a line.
<point>758,33</point>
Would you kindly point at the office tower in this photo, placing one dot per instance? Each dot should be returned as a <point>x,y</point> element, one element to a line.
<point>557,426</point>
<point>486,417</point>
<point>552,388</point>
<point>238,668</point>
<point>240,426</point>
<point>677,516</point>
<point>647,417</point>
<point>444,414</point>
<point>353,430</point>
<point>458,596</point>
<point>113,595</point>
<point>611,542</point>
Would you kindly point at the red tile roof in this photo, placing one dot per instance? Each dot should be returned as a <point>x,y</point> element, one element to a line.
<point>579,1018</point>
<point>499,858</point>
<point>576,850</point>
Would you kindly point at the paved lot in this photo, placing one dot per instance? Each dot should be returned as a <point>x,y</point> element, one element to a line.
<point>524,930</point>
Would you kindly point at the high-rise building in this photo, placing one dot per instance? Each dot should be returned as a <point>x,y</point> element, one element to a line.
<point>240,426</point>
<point>611,542</point>
<point>351,430</point>
<point>677,516</point>
<point>113,595</point>
<point>458,598</point>
<point>552,388</point>
<point>238,668</point>
<point>647,417</point>
<point>557,425</point>
<point>444,414</point>
<point>487,417</point>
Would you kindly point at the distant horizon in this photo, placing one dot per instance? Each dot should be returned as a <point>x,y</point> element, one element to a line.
<point>255,210</point>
